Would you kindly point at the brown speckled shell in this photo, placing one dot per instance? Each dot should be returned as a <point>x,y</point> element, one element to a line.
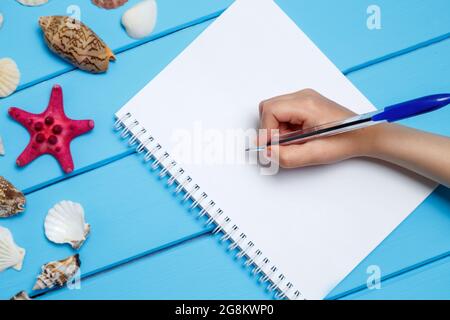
<point>76,43</point>
<point>12,201</point>
<point>57,273</point>
<point>109,4</point>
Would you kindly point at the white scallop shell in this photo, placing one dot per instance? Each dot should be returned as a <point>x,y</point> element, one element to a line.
<point>9,77</point>
<point>1,20</point>
<point>11,255</point>
<point>32,3</point>
<point>65,224</point>
<point>140,20</point>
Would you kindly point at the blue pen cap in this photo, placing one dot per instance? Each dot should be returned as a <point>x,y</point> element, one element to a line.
<point>413,108</point>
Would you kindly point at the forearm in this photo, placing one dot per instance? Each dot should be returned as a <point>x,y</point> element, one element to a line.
<point>424,153</point>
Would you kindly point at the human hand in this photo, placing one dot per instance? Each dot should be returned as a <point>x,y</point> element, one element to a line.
<point>305,109</point>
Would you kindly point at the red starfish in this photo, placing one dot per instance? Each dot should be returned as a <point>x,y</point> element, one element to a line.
<point>51,132</point>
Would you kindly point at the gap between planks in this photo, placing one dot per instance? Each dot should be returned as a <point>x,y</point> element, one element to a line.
<point>134,258</point>
<point>130,46</point>
<point>198,21</point>
<point>398,53</point>
<point>393,275</point>
<point>213,16</point>
<point>208,231</point>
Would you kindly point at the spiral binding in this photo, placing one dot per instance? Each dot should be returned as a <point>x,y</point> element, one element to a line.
<point>254,257</point>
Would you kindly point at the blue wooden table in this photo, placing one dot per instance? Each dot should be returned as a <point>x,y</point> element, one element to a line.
<point>144,245</point>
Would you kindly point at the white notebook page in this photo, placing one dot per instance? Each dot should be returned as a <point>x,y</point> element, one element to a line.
<point>314,224</point>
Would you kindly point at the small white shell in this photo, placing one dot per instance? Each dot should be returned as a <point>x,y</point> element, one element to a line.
<point>11,255</point>
<point>2,147</point>
<point>32,3</point>
<point>140,20</point>
<point>1,20</point>
<point>65,224</point>
<point>9,77</point>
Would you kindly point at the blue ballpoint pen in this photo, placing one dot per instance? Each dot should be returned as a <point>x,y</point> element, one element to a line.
<point>392,113</point>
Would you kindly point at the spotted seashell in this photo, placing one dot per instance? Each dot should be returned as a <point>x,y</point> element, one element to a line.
<point>76,43</point>
<point>32,3</point>
<point>22,295</point>
<point>12,201</point>
<point>57,273</point>
<point>109,4</point>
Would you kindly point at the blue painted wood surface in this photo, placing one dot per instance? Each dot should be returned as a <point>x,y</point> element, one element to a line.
<point>424,235</point>
<point>184,273</point>
<point>87,96</point>
<point>431,281</point>
<point>339,28</point>
<point>90,99</point>
<point>99,96</point>
<point>200,269</point>
<point>21,23</point>
<point>402,21</point>
<point>129,211</point>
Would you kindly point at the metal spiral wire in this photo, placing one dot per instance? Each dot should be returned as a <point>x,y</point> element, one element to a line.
<point>130,128</point>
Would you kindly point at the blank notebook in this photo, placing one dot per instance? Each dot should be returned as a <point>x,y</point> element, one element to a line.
<point>302,231</point>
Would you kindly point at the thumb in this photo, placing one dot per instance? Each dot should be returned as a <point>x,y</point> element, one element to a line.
<point>277,115</point>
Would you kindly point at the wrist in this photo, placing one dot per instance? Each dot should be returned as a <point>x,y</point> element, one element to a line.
<point>368,142</point>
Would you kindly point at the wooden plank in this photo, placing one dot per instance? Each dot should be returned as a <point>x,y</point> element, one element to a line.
<point>419,73</point>
<point>346,20</point>
<point>38,63</point>
<point>422,236</point>
<point>196,270</point>
<point>87,97</point>
<point>425,233</point>
<point>98,97</point>
<point>184,273</point>
<point>128,208</point>
<point>427,76</point>
<point>340,28</point>
<point>431,282</point>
